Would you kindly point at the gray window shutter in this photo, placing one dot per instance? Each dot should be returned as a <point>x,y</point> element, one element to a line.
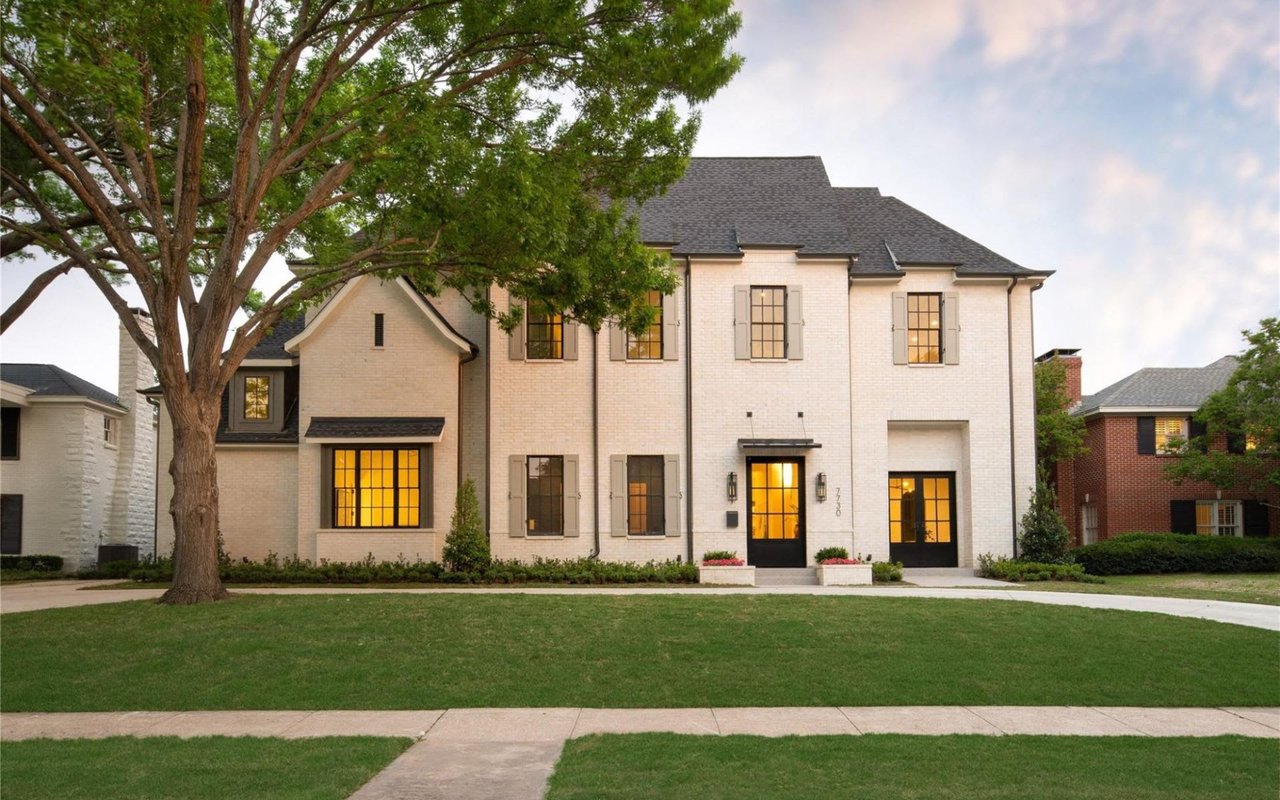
<point>618,495</point>
<point>518,519</point>
<point>570,341</point>
<point>617,342</point>
<point>742,322</point>
<point>671,488</point>
<point>795,323</point>
<point>571,496</point>
<point>670,328</point>
<point>951,328</point>
<point>899,327</point>
<point>515,343</point>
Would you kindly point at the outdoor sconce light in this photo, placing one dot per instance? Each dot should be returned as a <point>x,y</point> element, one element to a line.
<point>733,487</point>
<point>821,488</point>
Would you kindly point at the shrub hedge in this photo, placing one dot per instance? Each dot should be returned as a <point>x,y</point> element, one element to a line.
<point>1153,553</point>
<point>293,570</point>
<point>33,563</point>
<point>886,571</point>
<point>1008,569</point>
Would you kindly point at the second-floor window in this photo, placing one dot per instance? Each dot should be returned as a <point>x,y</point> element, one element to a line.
<point>10,426</point>
<point>768,322</point>
<point>924,328</point>
<point>1170,430</point>
<point>110,431</point>
<point>648,345</point>
<point>257,398</point>
<point>545,332</point>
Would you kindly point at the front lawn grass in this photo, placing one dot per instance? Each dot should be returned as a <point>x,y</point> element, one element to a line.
<point>194,769</point>
<point>671,767</point>
<point>1260,587</point>
<point>446,651</point>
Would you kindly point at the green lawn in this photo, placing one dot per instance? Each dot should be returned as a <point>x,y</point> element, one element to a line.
<point>443,651</point>
<point>214,768</point>
<point>671,767</point>
<point>1243,588</point>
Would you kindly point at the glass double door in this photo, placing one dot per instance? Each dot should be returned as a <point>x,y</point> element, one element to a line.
<point>922,519</point>
<point>775,490</point>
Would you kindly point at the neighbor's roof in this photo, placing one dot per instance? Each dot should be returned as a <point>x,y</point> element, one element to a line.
<point>47,380</point>
<point>1162,387</point>
<point>721,205</point>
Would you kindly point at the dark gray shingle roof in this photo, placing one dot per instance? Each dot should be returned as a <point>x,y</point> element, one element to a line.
<point>374,427</point>
<point>47,380</point>
<point>721,204</point>
<point>1163,387</point>
<point>272,345</point>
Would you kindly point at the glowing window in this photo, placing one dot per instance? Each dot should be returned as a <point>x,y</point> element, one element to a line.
<point>924,329</point>
<point>648,345</point>
<point>1168,431</point>
<point>377,487</point>
<point>545,333</point>
<point>257,398</point>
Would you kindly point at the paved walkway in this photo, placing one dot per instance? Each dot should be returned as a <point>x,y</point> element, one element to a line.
<point>509,753</point>
<point>61,594</point>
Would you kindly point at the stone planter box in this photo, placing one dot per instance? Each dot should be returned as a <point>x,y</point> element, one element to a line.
<point>844,574</point>
<point>727,576</point>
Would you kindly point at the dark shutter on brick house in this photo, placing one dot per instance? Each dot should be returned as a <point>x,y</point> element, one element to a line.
<point>1182,516</point>
<point>1235,443</point>
<point>1147,436</point>
<point>1197,429</point>
<point>1255,519</point>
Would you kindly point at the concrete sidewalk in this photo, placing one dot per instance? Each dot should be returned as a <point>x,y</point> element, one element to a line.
<point>63,594</point>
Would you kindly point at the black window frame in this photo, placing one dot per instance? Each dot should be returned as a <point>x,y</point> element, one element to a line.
<point>934,332</point>
<point>653,470</point>
<point>541,317</point>
<point>10,433</point>
<point>547,502</point>
<point>379,330</point>
<point>424,487</point>
<point>236,419</point>
<point>642,347</point>
<point>773,346</point>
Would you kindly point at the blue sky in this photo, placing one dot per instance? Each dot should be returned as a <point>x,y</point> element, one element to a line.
<point>1131,145</point>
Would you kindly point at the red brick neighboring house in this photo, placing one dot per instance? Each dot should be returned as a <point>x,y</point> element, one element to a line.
<point>1120,486</point>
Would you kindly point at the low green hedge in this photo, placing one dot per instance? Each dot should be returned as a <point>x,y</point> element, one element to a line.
<point>886,571</point>
<point>1154,553</point>
<point>32,563</point>
<point>294,570</point>
<point>1008,569</point>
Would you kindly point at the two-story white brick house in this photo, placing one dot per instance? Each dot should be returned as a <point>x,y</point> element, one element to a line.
<point>812,382</point>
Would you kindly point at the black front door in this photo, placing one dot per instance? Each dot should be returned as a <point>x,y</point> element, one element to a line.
<point>775,490</point>
<point>922,514</point>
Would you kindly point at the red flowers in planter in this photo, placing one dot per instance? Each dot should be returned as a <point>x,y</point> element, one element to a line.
<point>722,562</point>
<point>832,561</point>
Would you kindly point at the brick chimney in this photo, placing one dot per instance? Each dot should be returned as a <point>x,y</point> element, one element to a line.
<point>1073,363</point>
<point>132,519</point>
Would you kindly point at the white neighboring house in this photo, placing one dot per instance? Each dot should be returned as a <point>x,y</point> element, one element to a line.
<point>813,382</point>
<point>78,466</point>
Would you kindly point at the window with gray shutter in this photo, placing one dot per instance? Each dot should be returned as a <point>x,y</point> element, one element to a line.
<point>951,328</point>
<point>617,495</point>
<point>671,485</point>
<point>571,496</point>
<point>617,342</point>
<point>517,519</point>
<point>670,327</point>
<point>899,327</point>
<point>742,323</point>
<point>571,341</point>
<point>795,323</point>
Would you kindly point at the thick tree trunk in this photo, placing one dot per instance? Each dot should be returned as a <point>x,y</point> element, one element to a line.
<point>195,510</point>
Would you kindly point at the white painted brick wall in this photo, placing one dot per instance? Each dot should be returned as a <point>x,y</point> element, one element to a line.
<point>47,475</point>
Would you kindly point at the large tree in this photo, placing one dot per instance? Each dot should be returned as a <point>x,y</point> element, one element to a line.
<point>1247,413</point>
<point>1059,434</point>
<point>179,145</point>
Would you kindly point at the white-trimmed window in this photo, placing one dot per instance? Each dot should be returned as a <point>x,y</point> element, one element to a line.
<point>110,431</point>
<point>1088,523</point>
<point>1168,430</point>
<point>1218,518</point>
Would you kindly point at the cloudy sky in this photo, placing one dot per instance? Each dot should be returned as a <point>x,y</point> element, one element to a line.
<point>1131,145</point>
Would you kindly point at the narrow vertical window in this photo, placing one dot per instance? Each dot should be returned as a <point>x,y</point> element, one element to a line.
<point>645,496</point>
<point>648,345</point>
<point>924,329</point>
<point>768,322</point>
<point>10,426</point>
<point>545,333</point>
<point>110,431</point>
<point>545,495</point>
<point>378,327</point>
<point>257,398</point>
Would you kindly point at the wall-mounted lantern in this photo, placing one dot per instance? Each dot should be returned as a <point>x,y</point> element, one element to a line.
<point>732,487</point>
<point>821,487</point>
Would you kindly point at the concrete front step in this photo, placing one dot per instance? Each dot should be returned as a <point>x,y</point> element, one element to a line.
<point>786,576</point>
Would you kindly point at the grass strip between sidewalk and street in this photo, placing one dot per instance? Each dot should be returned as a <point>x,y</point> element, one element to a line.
<point>450,651</point>
<point>126,768</point>
<point>655,766</point>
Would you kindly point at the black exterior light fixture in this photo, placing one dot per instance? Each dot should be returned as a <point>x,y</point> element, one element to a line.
<point>733,487</point>
<point>821,487</point>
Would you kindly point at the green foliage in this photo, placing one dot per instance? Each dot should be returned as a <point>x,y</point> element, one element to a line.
<point>466,548</point>
<point>719,555</point>
<point>830,552</point>
<point>1059,435</point>
<point>33,563</point>
<point>886,572</point>
<point>1008,569</point>
<point>1247,408</point>
<point>1044,536</point>
<point>1154,553</point>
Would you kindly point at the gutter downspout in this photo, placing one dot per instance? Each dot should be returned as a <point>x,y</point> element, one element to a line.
<point>488,421</point>
<point>595,442</point>
<point>1013,472</point>
<point>471,356</point>
<point>688,406</point>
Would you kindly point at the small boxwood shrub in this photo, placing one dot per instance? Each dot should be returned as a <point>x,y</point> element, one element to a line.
<point>886,571</point>
<point>1154,553</point>
<point>32,563</point>
<point>1018,571</point>
<point>830,552</point>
